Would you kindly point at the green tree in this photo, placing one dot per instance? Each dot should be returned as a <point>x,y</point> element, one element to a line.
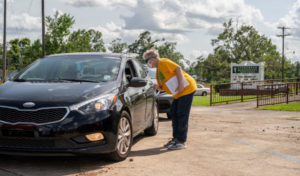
<point>96,41</point>
<point>23,44</point>
<point>58,29</point>
<point>168,50</point>
<point>117,46</point>
<point>143,44</point>
<point>78,41</point>
<point>297,74</point>
<point>59,38</point>
<point>242,43</point>
<point>15,53</point>
<point>198,66</point>
<point>33,52</point>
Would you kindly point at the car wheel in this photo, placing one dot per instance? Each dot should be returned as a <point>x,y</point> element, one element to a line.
<point>124,139</point>
<point>169,115</point>
<point>152,131</point>
<point>276,91</point>
<point>204,94</point>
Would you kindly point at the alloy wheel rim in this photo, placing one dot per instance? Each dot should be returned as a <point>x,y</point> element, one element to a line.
<point>124,136</point>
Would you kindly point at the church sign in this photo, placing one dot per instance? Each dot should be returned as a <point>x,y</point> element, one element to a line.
<point>247,71</point>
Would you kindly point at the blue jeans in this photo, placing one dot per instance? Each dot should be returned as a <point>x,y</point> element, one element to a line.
<point>180,112</point>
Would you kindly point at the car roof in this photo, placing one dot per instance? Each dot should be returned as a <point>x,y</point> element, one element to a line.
<point>90,53</point>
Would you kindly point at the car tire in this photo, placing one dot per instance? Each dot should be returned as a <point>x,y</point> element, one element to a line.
<point>276,91</point>
<point>169,115</point>
<point>153,129</point>
<point>204,93</point>
<point>119,154</point>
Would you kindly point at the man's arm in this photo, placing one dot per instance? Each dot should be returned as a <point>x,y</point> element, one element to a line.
<point>179,75</point>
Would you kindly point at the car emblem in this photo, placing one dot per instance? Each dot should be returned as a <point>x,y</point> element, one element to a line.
<point>28,105</point>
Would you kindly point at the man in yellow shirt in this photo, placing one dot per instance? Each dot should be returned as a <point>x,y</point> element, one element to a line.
<point>181,106</point>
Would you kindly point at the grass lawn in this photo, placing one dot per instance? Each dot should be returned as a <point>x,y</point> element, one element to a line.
<point>205,101</point>
<point>201,101</point>
<point>283,107</point>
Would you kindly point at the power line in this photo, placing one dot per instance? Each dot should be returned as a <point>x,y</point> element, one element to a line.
<point>26,17</point>
<point>13,13</point>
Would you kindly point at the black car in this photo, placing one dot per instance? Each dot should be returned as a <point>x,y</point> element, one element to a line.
<point>76,104</point>
<point>164,100</point>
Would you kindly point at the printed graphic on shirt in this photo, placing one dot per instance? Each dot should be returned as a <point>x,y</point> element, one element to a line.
<point>161,77</point>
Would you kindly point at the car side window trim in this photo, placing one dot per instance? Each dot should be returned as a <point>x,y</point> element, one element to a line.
<point>132,68</point>
<point>141,68</point>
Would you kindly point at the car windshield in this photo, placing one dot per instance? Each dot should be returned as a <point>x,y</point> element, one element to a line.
<point>152,73</point>
<point>83,68</point>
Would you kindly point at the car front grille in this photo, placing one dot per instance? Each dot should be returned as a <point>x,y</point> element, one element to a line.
<point>34,143</point>
<point>40,116</point>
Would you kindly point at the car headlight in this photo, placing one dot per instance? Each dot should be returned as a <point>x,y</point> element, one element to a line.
<point>97,104</point>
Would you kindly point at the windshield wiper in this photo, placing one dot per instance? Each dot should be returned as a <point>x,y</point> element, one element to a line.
<point>20,80</point>
<point>73,80</point>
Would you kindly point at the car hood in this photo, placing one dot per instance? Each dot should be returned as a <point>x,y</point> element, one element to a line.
<point>52,94</point>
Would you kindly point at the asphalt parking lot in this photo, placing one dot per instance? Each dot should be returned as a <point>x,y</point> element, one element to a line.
<point>224,140</point>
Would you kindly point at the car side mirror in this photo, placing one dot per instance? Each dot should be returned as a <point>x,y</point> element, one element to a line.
<point>137,82</point>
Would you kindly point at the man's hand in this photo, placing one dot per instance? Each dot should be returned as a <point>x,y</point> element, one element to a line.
<point>180,88</point>
<point>157,87</point>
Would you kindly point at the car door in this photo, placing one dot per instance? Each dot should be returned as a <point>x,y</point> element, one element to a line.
<point>137,96</point>
<point>146,102</point>
<point>199,90</point>
<point>149,92</point>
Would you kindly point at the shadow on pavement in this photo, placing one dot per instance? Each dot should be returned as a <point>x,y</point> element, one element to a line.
<point>149,152</point>
<point>164,119</point>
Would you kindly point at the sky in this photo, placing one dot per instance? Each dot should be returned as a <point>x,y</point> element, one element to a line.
<point>190,23</point>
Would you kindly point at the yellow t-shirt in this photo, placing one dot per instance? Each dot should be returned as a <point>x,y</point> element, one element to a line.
<point>166,70</point>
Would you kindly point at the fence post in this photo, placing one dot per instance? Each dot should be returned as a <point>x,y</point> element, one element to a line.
<point>211,95</point>
<point>287,94</point>
<point>272,93</point>
<point>297,85</point>
<point>257,95</point>
<point>242,93</point>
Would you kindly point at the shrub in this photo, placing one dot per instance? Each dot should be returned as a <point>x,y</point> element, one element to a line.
<point>225,86</point>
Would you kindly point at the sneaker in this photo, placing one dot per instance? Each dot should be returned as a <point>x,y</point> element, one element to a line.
<point>177,146</point>
<point>171,142</point>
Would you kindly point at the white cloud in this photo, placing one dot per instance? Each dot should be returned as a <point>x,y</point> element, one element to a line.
<point>53,12</point>
<point>177,16</point>
<point>111,32</point>
<point>104,3</point>
<point>195,54</point>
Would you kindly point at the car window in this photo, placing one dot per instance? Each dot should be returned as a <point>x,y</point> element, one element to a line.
<point>91,68</point>
<point>152,73</point>
<point>199,86</point>
<point>140,70</point>
<point>38,71</point>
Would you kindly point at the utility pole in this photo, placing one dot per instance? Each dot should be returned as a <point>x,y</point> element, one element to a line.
<point>43,28</point>
<point>283,28</point>
<point>4,40</point>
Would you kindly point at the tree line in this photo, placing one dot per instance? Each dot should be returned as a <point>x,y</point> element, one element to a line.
<point>234,45</point>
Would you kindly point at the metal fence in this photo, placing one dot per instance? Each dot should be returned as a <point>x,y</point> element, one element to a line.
<point>242,91</point>
<point>278,93</point>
